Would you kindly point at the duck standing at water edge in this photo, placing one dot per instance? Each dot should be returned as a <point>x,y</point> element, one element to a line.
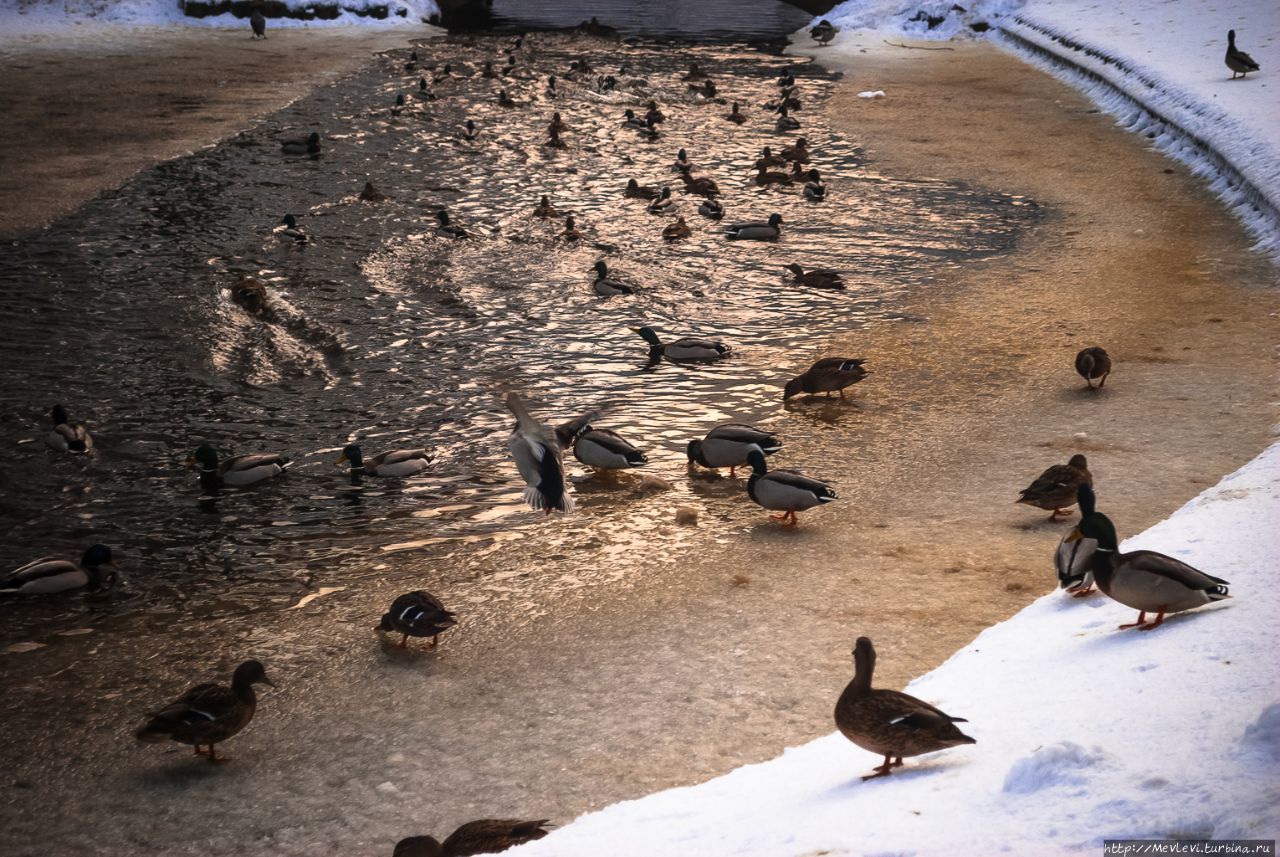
<point>786,491</point>
<point>417,614</point>
<point>537,456</point>
<point>207,714</point>
<point>828,375</point>
<point>728,445</point>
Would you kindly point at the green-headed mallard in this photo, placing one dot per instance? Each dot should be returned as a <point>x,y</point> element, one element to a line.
<point>289,231</point>
<point>397,462</point>
<point>687,349</point>
<point>417,614</point>
<point>67,436</point>
<point>632,121</point>
<point>888,722</point>
<point>735,116</point>
<point>487,836</point>
<point>309,145</point>
<point>786,491</point>
<point>662,204</point>
<point>711,208</point>
<point>237,471</point>
<point>677,230</point>
<point>828,375</point>
<point>799,152</point>
<point>537,455</point>
<point>1147,581</point>
<point>786,122</point>
<point>1074,555</point>
<point>728,444</point>
<point>424,92</point>
<point>258,23</point>
<point>701,186</point>
<point>446,228</point>
<point>606,286</point>
<point>814,189</point>
<point>207,714</point>
<point>469,132</point>
<point>1055,489</point>
<point>756,230</point>
<point>816,278</point>
<point>764,177</point>
<point>604,449</point>
<point>1237,60</point>
<point>50,574</point>
<point>1093,362</point>
<point>823,32</point>
<point>635,190</point>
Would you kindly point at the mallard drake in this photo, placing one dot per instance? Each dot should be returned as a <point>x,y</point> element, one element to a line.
<point>469,132</point>
<point>653,115</point>
<point>636,190</point>
<point>447,229</point>
<point>828,375</point>
<point>50,574</point>
<point>207,714</point>
<point>888,722</point>
<point>786,122</point>
<point>816,278</point>
<point>786,80</point>
<point>237,471</point>
<point>756,231</point>
<point>786,491</point>
<point>711,208</point>
<point>537,456</point>
<point>552,91</point>
<point>1147,581</point>
<point>554,141</point>
<point>258,22</point>
<point>677,230</point>
<point>67,436</point>
<point>1055,489</point>
<point>734,116</point>
<point>1074,554</point>
<point>394,463</point>
<point>289,230</point>
<point>814,189</point>
<point>605,449</point>
<point>309,145</point>
<point>442,74</point>
<point>488,71</point>
<point>605,286</point>
<point>487,836</point>
<point>372,194</point>
<point>764,178</point>
<point>799,152</point>
<point>1237,60</point>
<point>544,209</point>
<point>1093,362</point>
<point>632,121</point>
<point>682,350</point>
<point>424,93</point>
<point>504,100</point>
<point>695,72</point>
<point>398,107</point>
<point>824,32</point>
<point>557,123</point>
<point>662,203</point>
<point>701,186</point>
<point>570,232</point>
<point>411,64</point>
<point>728,444</point>
<point>682,164</point>
<point>250,294</point>
<point>769,159</point>
<point>417,614</point>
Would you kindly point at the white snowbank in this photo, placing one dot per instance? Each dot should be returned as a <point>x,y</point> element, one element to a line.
<point>931,19</point>
<point>1084,732</point>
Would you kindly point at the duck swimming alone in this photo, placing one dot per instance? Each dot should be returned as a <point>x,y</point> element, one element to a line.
<point>1237,60</point>
<point>605,286</point>
<point>756,231</point>
<point>417,614</point>
<point>1055,489</point>
<point>486,836</point>
<point>728,444</point>
<point>888,722</point>
<point>207,714</point>
<point>289,230</point>
<point>635,190</point>
<point>1093,362</point>
<point>734,116</point>
<point>816,278</point>
<point>237,471</point>
<point>67,436</point>
<point>786,491</point>
<point>689,349</point>
<point>309,145</point>
<point>537,455</point>
<point>570,232</point>
<point>50,574</point>
<point>394,463</point>
<point>662,203</point>
<point>828,375</point>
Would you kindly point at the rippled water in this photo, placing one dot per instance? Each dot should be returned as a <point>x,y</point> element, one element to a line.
<point>385,332</point>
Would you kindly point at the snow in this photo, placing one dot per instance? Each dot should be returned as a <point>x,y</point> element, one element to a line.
<point>1085,732</point>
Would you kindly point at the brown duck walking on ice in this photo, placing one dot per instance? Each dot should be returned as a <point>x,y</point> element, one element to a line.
<point>888,722</point>
<point>417,614</point>
<point>1093,362</point>
<point>1055,489</point>
<point>828,375</point>
<point>487,836</point>
<point>207,714</point>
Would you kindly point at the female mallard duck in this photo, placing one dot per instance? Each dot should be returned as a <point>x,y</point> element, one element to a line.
<point>489,71</point>
<point>816,278</point>
<point>605,449</point>
<point>764,177</point>
<point>208,714</point>
<point>683,164</point>
<point>654,115</point>
<point>50,574</point>
<point>447,229</point>
<point>554,141</point>
<point>487,836</point>
<point>1074,554</point>
<point>424,92</point>
<point>605,286</point>
<point>570,232</point>
<point>544,209</point>
<point>289,231</point>
<point>309,145</point>
<point>701,186</point>
<point>557,123</point>
<point>632,121</point>
<point>237,471</point>
<point>1055,489</point>
<point>769,159</point>
<point>369,193</point>
<point>756,231</point>
<point>682,350</point>
<point>734,116</point>
<point>676,231</point>
<point>394,463</point>
<point>250,294</point>
<point>67,436</point>
<point>888,722</point>
<point>786,122</point>
<point>711,208</point>
<point>828,375</point>
<point>814,189</point>
<point>1237,60</point>
<point>537,456</point>
<point>786,491</point>
<point>799,153</point>
<point>1147,581</point>
<point>728,444</point>
<point>469,132</point>
<point>824,32</point>
<point>635,190</point>
<point>662,203</point>
<point>417,614</point>
<point>442,74</point>
<point>1093,362</point>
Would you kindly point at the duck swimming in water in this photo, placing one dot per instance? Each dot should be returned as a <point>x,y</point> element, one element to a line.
<point>688,349</point>
<point>67,436</point>
<point>605,286</point>
<point>393,463</point>
<point>756,230</point>
<point>309,145</point>
<point>50,575</point>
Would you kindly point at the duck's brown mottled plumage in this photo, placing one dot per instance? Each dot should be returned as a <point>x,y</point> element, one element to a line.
<point>1055,489</point>
<point>207,714</point>
<point>486,836</point>
<point>1093,362</point>
<point>828,375</point>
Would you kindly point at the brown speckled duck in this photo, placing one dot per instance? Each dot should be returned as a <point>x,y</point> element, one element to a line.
<point>1055,489</point>
<point>207,714</point>
<point>828,375</point>
<point>486,836</point>
<point>417,614</point>
<point>1093,362</point>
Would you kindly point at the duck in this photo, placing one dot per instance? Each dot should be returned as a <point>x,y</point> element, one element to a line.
<point>208,714</point>
<point>580,67</point>
<point>632,121</point>
<point>411,64</point>
<point>309,145</point>
<point>544,209</point>
<point>424,93</point>
<point>654,115</point>
<point>250,294</point>
<point>756,230</point>
<point>552,91</point>
<point>398,107</point>
<point>828,375</point>
<point>787,98</point>
<point>447,229</point>
<point>371,194</point>
<point>764,178</point>
<point>599,31</point>
<point>662,203</point>
<point>469,132</point>
<point>554,141</point>
<point>1055,489</point>
<point>769,159</point>
<point>677,230</point>
<point>786,80</point>
<point>706,90</point>
<point>67,436</point>
<point>488,71</point>
<point>635,190</point>
<point>798,153</point>
<point>605,449</point>
<point>814,189</point>
<point>682,164</point>
<point>393,463</point>
<point>1237,60</point>
<point>711,208</point>
<point>606,286</point>
<point>734,116</point>
<point>786,491</point>
<point>649,131</point>
<point>701,186</point>
<point>417,614</point>
<point>289,230</point>
<point>786,122</point>
<point>1074,554</point>
<point>824,32</point>
<point>504,99</point>
<point>237,471</point>
<point>570,232</point>
<point>728,444</point>
<point>50,574</point>
<point>1093,362</point>
<point>888,722</point>
<point>258,23</point>
<point>557,124</point>
<point>687,349</point>
<point>537,456</point>
<point>695,73</point>
<point>1147,581</point>
<point>442,74</point>
<point>816,278</point>
<point>486,836</point>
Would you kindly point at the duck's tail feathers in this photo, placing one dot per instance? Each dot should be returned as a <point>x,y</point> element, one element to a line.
<point>542,503</point>
<point>1219,592</point>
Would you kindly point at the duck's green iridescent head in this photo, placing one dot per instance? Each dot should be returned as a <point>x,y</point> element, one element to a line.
<point>1093,524</point>
<point>648,335</point>
<point>351,453</point>
<point>206,456</point>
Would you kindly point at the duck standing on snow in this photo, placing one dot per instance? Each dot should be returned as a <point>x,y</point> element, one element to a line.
<point>756,230</point>
<point>258,23</point>
<point>824,32</point>
<point>1055,489</point>
<point>238,470</point>
<point>67,436</point>
<point>486,836</point>
<point>51,574</point>
<point>207,714</point>
<point>537,456</point>
<point>1093,362</point>
<point>417,614</point>
<point>1237,60</point>
<point>786,491</point>
<point>394,463</point>
<point>689,349</point>
<point>828,375</point>
<point>1075,553</point>
<point>728,444</point>
<point>1147,581</point>
<point>888,722</point>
